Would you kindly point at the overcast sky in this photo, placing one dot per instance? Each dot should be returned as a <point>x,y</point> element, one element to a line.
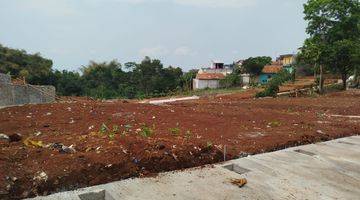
<point>185,33</point>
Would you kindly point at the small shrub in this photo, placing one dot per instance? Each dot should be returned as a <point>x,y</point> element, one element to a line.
<point>103,128</point>
<point>188,134</point>
<point>115,129</point>
<point>230,80</point>
<point>209,145</point>
<point>275,124</point>
<point>272,88</point>
<point>146,131</point>
<point>111,136</point>
<point>127,127</point>
<point>174,131</point>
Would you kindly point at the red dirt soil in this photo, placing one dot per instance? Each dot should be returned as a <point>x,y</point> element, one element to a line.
<point>184,134</point>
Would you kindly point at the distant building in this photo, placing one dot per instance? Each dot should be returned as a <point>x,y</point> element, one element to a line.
<point>218,67</point>
<point>210,77</point>
<point>286,59</point>
<point>269,71</point>
<point>207,80</point>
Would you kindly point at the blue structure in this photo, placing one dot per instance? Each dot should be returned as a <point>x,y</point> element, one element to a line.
<point>264,78</point>
<point>270,71</point>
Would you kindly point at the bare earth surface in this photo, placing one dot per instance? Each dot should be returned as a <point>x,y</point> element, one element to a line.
<point>182,135</point>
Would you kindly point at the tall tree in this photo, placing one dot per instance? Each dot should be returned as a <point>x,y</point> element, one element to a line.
<point>187,80</point>
<point>335,27</point>
<point>254,65</point>
<point>19,63</point>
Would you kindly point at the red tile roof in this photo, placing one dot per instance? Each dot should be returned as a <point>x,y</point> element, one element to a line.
<point>210,76</point>
<point>272,69</point>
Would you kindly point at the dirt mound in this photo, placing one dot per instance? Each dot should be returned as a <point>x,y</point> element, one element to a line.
<point>71,145</point>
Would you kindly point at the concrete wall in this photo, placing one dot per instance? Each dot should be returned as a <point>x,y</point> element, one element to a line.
<point>245,79</point>
<point>24,94</point>
<point>203,84</point>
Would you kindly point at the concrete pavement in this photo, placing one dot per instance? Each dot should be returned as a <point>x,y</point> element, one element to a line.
<point>329,170</point>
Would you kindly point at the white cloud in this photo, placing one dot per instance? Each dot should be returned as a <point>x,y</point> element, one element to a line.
<point>184,51</point>
<point>157,51</point>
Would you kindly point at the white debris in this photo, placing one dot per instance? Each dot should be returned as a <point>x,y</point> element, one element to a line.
<point>37,133</point>
<point>69,149</point>
<point>48,114</point>
<point>162,101</point>
<point>91,127</point>
<point>41,176</point>
<point>4,137</point>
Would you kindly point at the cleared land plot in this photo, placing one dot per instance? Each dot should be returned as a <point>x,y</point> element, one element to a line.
<point>142,139</point>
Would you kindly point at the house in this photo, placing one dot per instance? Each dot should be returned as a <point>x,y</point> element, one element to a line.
<point>218,67</point>
<point>207,80</point>
<point>210,77</point>
<point>286,59</point>
<point>269,71</point>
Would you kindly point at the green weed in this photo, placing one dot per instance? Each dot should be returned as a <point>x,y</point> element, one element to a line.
<point>146,131</point>
<point>174,131</point>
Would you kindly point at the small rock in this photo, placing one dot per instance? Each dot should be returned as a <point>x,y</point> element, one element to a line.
<point>62,148</point>
<point>243,154</point>
<point>66,149</point>
<point>161,146</point>
<point>40,176</point>
<point>4,137</point>
<point>15,137</point>
<point>38,133</point>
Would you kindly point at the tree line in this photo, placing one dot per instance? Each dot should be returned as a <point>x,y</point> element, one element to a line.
<point>149,78</point>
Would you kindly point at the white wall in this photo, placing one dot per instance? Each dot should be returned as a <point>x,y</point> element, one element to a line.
<point>202,84</point>
<point>245,79</point>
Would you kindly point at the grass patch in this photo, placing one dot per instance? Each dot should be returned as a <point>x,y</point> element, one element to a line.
<point>146,131</point>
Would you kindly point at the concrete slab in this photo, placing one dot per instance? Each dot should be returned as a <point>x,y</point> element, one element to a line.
<point>329,170</point>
